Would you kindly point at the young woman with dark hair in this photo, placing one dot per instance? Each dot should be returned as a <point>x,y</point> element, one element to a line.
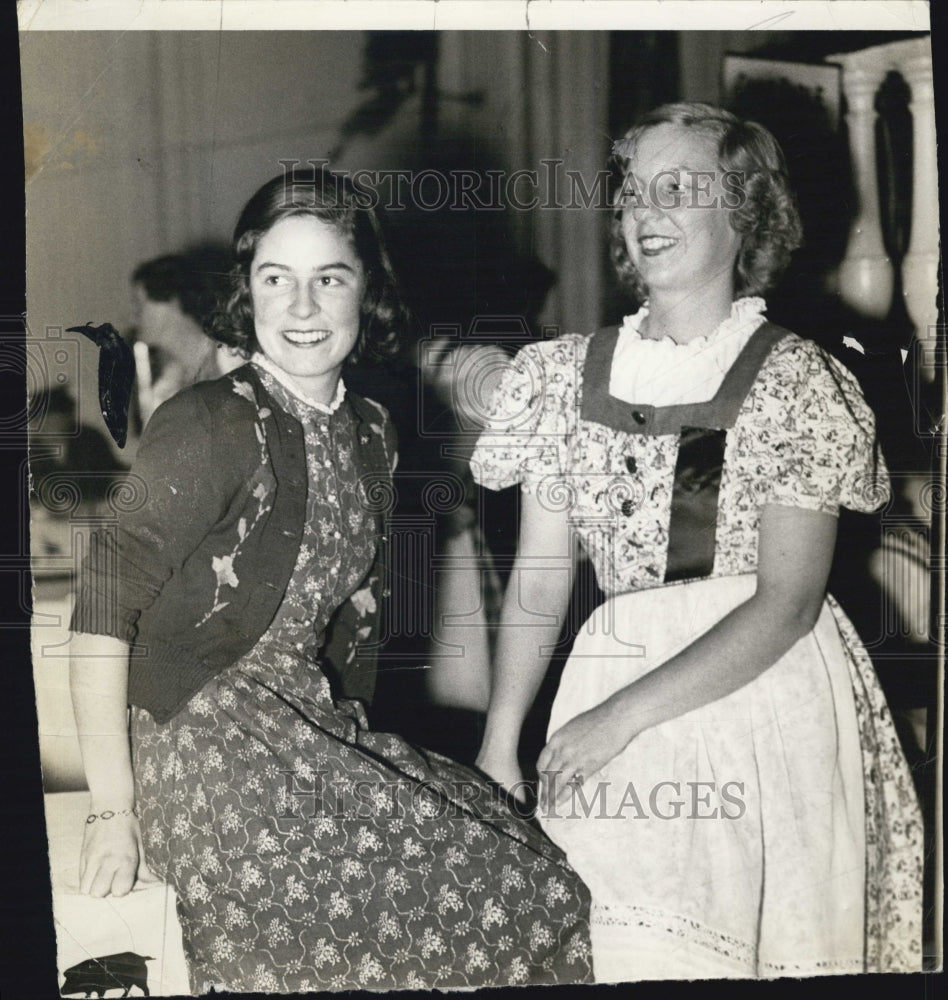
<point>236,609</point>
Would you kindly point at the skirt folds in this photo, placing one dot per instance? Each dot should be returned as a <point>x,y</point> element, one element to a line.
<point>750,837</point>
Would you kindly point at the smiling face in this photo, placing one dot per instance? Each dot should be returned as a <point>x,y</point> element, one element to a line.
<point>675,217</point>
<point>307,285</point>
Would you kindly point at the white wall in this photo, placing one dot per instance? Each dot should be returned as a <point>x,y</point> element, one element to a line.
<point>139,143</point>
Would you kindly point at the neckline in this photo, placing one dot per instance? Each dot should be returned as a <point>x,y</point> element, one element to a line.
<point>719,412</point>
<point>263,362</point>
<point>743,309</point>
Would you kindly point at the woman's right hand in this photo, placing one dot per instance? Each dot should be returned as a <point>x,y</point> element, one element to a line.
<point>505,770</point>
<point>112,857</point>
<point>112,853</point>
<point>535,605</point>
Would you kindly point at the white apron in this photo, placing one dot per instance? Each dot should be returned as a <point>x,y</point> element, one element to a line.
<point>732,840</point>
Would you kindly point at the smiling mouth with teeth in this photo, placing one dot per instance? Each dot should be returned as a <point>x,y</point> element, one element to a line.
<point>306,338</point>
<point>652,245</point>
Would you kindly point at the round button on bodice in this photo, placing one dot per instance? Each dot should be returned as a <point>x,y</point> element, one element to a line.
<point>638,416</point>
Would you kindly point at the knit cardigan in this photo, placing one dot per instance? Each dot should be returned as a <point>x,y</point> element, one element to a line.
<point>196,565</point>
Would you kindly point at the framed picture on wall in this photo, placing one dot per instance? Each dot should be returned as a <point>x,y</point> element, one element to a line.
<point>819,82</point>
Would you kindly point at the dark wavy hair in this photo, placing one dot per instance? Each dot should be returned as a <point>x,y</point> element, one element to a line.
<point>332,199</point>
<point>196,278</point>
<point>767,217</point>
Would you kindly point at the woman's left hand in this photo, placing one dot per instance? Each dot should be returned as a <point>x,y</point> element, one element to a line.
<point>577,750</point>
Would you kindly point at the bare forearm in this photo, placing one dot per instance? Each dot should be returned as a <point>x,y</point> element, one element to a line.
<point>534,607</point>
<point>98,674</point>
<point>740,647</point>
<point>795,548</point>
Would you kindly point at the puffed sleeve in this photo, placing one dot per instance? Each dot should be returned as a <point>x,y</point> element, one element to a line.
<point>529,418</point>
<point>171,498</point>
<point>816,442</point>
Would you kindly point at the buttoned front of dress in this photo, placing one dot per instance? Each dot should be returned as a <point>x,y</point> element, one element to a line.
<point>339,543</point>
<point>666,491</point>
<point>798,433</point>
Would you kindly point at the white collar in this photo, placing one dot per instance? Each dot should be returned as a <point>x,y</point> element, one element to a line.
<point>665,373</point>
<point>262,361</point>
<point>743,310</point>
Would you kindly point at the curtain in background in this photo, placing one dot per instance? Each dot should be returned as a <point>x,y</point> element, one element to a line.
<point>545,98</point>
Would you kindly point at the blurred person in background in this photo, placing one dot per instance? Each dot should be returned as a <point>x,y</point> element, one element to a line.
<point>174,298</point>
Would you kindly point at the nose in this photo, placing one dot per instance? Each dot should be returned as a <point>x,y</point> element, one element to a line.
<point>634,200</point>
<point>644,208</point>
<point>304,301</point>
<point>638,214</point>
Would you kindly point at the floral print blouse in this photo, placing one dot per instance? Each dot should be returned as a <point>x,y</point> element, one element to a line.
<point>804,437</point>
<point>336,557</point>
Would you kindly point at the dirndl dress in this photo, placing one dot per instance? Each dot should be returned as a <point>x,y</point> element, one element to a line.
<point>773,832</point>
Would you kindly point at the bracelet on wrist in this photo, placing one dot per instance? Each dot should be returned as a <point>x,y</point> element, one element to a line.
<point>109,813</point>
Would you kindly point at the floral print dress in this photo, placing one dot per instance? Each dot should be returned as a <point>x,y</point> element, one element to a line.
<point>309,853</point>
<point>772,832</point>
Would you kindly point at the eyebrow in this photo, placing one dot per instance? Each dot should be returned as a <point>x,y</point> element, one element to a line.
<point>336,265</point>
<point>681,168</point>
